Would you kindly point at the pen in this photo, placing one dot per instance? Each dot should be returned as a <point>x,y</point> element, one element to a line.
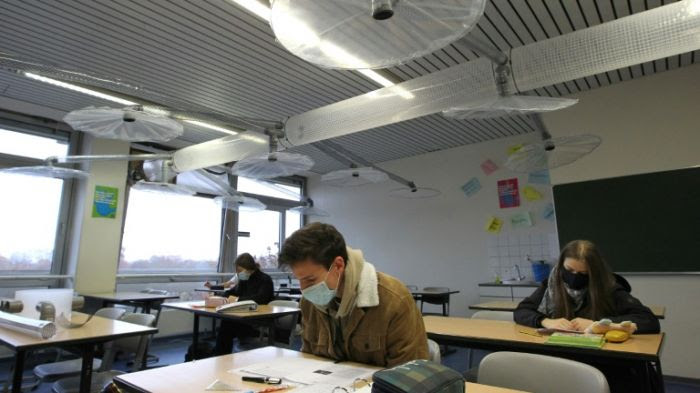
<point>267,380</point>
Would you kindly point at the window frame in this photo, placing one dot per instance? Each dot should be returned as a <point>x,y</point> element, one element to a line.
<point>57,275</point>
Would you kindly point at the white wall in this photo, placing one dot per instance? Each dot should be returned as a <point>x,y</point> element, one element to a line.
<point>647,125</point>
<point>432,242</point>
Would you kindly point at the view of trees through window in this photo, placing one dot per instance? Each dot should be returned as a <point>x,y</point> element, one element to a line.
<point>166,233</point>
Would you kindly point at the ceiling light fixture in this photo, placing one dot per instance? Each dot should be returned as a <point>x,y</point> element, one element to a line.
<point>255,7</point>
<point>211,127</point>
<point>79,89</point>
<point>263,12</point>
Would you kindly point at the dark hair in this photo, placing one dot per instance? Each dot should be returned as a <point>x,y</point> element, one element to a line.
<point>600,282</point>
<point>247,262</point>
<point>321,243</point>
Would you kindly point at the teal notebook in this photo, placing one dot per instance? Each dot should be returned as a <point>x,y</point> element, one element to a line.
<point>576,340</point>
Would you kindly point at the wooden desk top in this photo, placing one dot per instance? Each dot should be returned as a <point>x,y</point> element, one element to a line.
<point>643,346</point>
<point>264,311</point>
<point>98,329</point>
<point>195,376</point>
<point>128,296</point>
<point>507,305</point>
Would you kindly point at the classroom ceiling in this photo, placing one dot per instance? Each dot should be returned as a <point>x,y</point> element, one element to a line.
<point>216,55</point>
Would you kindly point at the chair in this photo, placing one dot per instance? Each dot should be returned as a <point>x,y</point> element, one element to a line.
<point>434,351</point>
<point>539,373</point>
<point>287,322</point>
<point>49,372</point>
<point>441,297</point>
<point>129,345</point>
<point>470,374</point>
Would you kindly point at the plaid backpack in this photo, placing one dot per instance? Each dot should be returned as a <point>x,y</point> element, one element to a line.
<point>418,376</point>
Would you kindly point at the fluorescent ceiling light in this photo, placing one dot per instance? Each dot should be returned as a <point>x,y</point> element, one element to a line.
<point>79,89</point>
<point>306,36</point>
<point>211,127</point>
<point>255,7</point>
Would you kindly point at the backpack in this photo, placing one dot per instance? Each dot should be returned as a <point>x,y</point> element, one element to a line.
<point>418,376</point>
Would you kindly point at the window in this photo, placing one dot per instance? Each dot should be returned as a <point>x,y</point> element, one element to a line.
<point>30,207</point>
<point>268,188</point>
<point>259,235</point>
<point>262,233</point>
<point>166,233</point>
<point>33,146</point>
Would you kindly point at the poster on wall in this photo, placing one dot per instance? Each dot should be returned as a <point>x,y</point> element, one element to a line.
<point>471,187</point>
<point>521,220</point>
<point>488,167</point>
<point>105,202</point>
<point>508,193</point>
<point>493,225</point>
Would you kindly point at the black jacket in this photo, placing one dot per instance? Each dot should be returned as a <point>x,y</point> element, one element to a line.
<point>627,308</point>
<point>258,287</point>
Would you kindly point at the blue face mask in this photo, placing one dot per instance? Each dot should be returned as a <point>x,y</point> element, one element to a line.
<point>243,276</point>
<point>319,294</point>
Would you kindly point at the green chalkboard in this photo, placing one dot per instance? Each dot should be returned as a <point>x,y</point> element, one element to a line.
<point>642,223</point>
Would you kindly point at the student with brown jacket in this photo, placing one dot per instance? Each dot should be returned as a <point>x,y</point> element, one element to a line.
<point>349,310</point>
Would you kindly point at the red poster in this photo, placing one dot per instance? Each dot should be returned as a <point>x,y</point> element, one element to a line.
<point>508,193</point>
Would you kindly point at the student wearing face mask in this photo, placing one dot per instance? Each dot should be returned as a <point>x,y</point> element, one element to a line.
<point>349,310</point>
<point>582,289</point>
<point>252,284</point>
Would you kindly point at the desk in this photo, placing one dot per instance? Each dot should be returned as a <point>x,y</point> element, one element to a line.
<point>98,330</point>
<point>264,315</point>
<point>505,305</point>
<point>145,300</point>
<point>194,377</point>
<point>436,295</point>
<point>640,351</point>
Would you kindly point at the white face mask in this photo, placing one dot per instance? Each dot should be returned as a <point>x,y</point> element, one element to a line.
<point>319,294</point>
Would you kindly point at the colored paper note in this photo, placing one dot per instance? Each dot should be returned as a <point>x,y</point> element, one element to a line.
<point>521,220</point>
<point>489,167</point>
<point>539,177</point>
<point>493,225</point>
<point>514,149</point>
<point>471,187</point>
<point>548,212</point>
<point>531,193</point>
<point>508,194</point>
<point>105,202</point>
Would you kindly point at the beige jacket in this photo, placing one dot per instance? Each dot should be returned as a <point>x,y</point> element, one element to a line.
<point>383,328</point>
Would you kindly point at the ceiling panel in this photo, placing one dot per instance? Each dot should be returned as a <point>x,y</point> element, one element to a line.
<point>213,55</point>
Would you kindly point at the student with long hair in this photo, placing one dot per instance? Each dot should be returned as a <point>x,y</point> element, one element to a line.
<point>582,289</point>
<point>252,284</point>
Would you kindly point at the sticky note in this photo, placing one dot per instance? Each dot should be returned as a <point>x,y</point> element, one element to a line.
<point>531,193</point>
<point>521,220</point>
<point>539,177</point>
<point>493,225</point>
<point>548,212</point>
<point>489,167</point>
<point>514,149</point>
<point>471,187</point>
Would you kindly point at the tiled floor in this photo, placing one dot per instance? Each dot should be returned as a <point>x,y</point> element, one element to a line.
<point>172,351</point>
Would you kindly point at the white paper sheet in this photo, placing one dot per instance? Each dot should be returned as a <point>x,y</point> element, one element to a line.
<point>309,371</point>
